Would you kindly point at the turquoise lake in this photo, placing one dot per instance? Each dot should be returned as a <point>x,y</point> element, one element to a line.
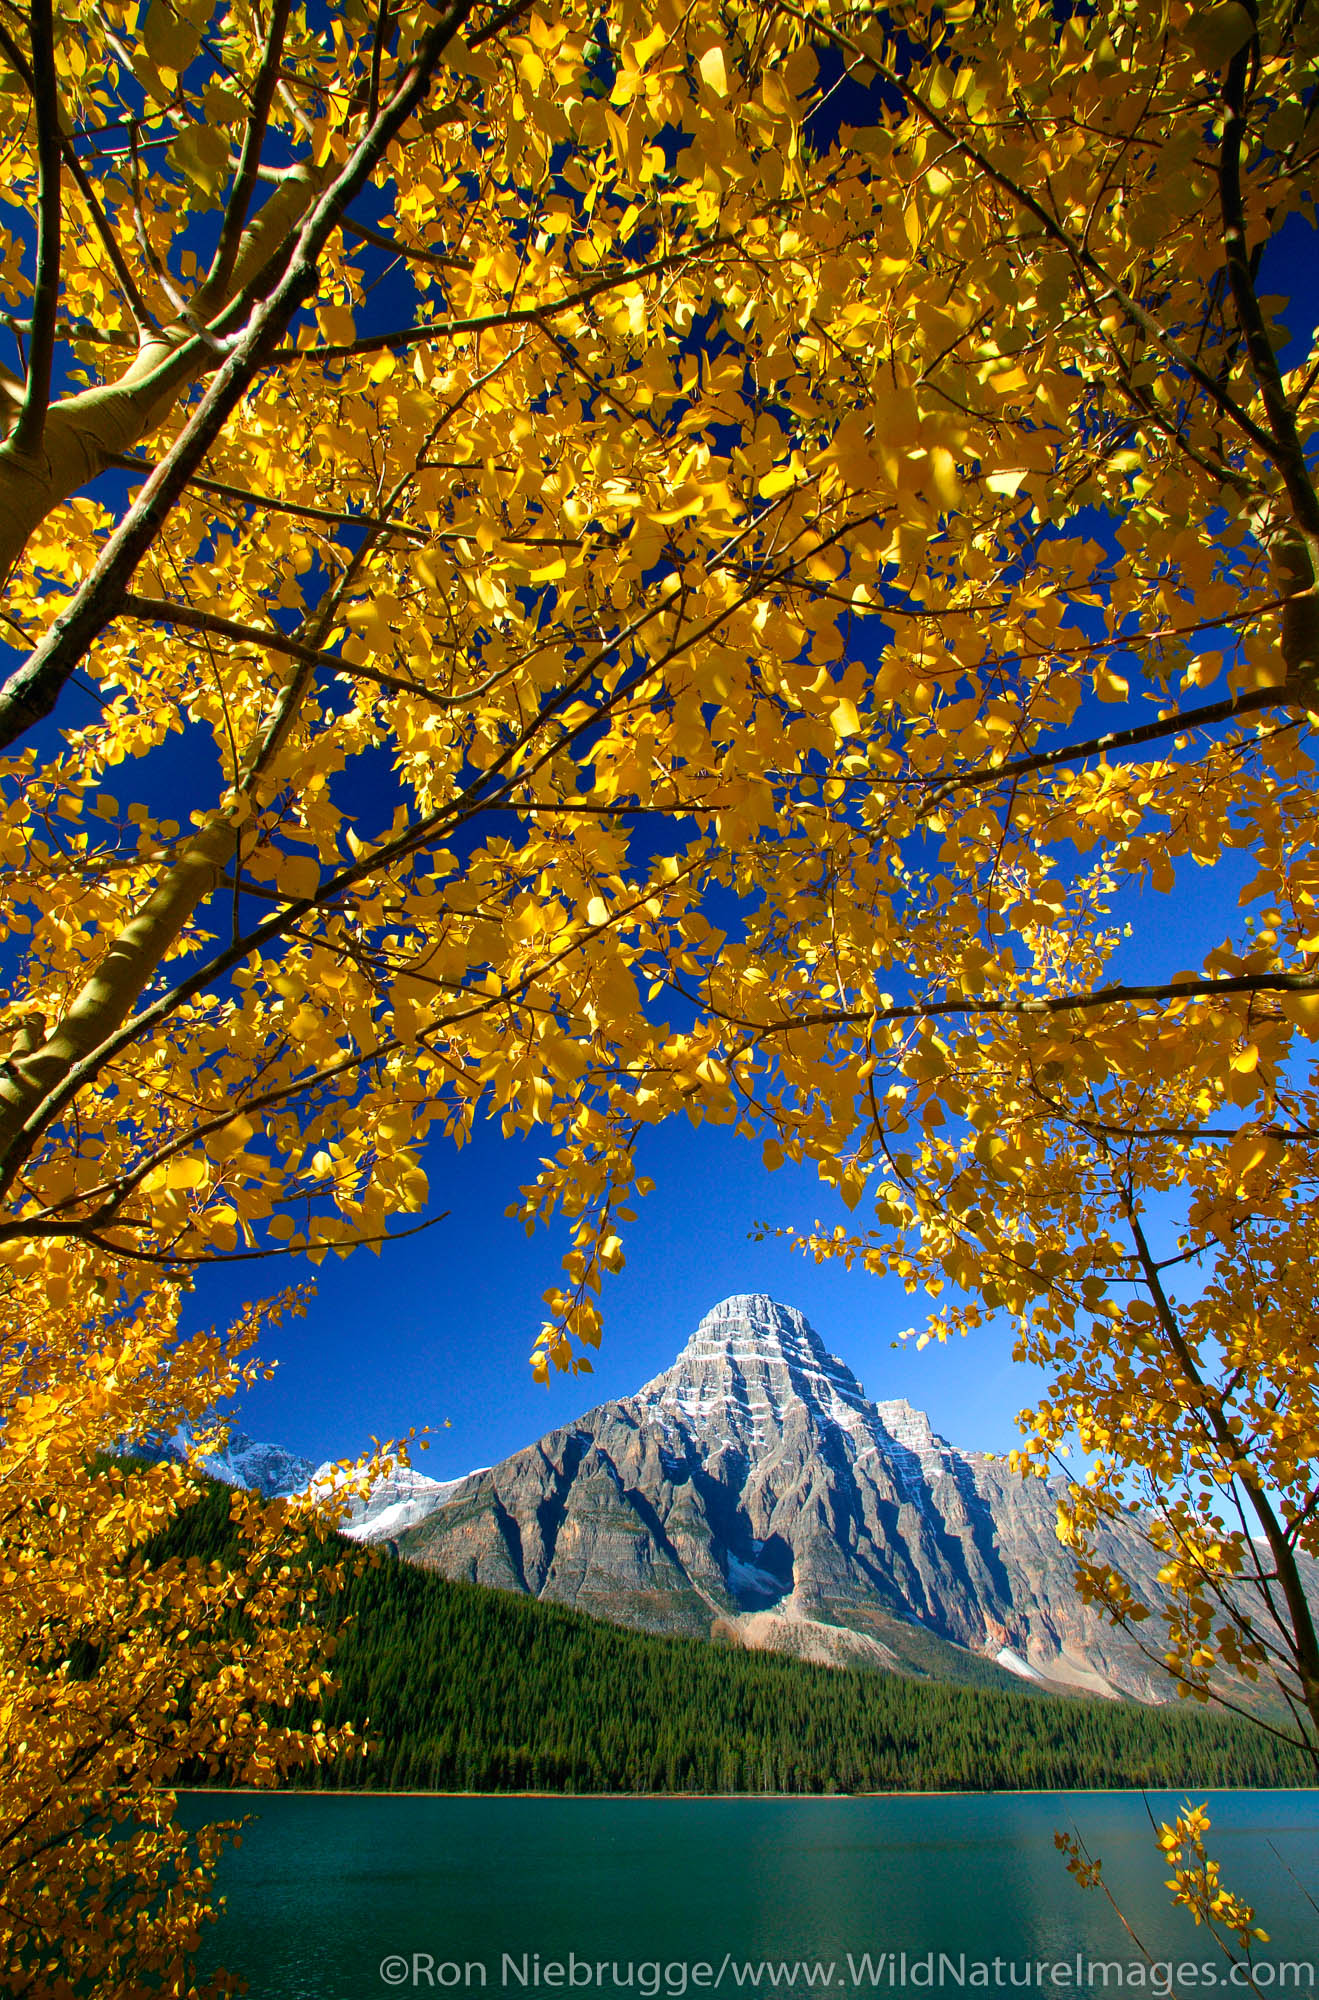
<point>350,1897</point>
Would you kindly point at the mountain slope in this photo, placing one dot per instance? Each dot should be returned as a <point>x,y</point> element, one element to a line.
<point>753,1490</point>
<point>460,1688</point>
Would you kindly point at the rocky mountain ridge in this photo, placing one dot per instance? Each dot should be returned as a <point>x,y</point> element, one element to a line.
<point>752,1492</point>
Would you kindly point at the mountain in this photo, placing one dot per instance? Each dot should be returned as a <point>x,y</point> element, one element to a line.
<point>266,1469</point>
<point>753,1493</point>
<point>459,1688</point>
<point>396,1502</point>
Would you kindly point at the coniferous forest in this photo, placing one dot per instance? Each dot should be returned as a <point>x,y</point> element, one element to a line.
<point>462,1688</point>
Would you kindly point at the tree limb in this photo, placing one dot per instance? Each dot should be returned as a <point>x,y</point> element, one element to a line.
<point>27,434</point>
<point>1302,1638</point>
<point>1084,261</point>
<point>248,498</point>
<point>1296,555</point>
<point>444,329</point>
<point>161,611</point>
<point>1075,1002</point>
<point>1249,703</point>
<point>365,234</point>
<point>244,186</point>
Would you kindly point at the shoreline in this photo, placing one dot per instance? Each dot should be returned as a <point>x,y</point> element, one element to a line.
<point>743,1798</point>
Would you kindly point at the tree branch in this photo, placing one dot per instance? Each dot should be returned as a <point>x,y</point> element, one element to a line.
<point>1249,703</point>
<point>1058,1003</point>
<point>248,498</point>
<point>35,1089</point>
<point>26,440</point>
<point>137,306</point>
<point>176,1259</point>
<point>1084,261</point>
<point>351,227</point>
<point>408,336</point>
<point>139,311</point>
<point>240,195</point>
<point>1297,557</point>
<point>377,53</point>
<point>161,611</point>
<point>1302,1637</point>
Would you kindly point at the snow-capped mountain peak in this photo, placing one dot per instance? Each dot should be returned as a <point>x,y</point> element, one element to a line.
<point>266,1468</point>
<point>754,1369</point>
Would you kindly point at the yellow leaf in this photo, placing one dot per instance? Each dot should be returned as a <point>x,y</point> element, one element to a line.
<point>711,66</point>
<point>1109,686</point>
<point>171,40</point>
<point>649,46</point>
<point>687,500</point>
<point>777,481</point>
<point>1216,32</point>
<point>299,876</point>
<point>337,324</point>
<point>943,469</point>
<point>1302,1010</point>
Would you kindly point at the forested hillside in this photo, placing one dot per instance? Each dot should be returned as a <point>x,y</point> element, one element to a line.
<point>461,1688</point>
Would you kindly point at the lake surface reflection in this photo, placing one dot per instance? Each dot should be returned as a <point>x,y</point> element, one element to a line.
<point>350,1897</point>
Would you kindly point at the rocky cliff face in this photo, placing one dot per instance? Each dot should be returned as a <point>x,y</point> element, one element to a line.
<point>753,1490</point>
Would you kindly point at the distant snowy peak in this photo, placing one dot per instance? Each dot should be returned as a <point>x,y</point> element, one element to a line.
<point>398,1501</point>
<point>266,1469</point>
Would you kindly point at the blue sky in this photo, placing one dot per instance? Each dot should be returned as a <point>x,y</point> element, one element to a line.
<point>441,1326</point>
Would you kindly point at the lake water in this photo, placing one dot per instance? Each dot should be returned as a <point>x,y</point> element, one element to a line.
<point>352,1897</point>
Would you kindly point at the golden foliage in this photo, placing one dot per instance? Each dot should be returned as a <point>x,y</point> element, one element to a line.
<point>120,1667</point>
<point>681,553</point>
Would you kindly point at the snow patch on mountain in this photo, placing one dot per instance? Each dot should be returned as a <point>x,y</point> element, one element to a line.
<point>397,1501</point>
<point>746,1580</point>
<point>266,1469</point>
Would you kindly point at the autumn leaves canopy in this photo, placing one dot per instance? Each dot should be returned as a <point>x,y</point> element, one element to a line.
<point>583,564</point>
